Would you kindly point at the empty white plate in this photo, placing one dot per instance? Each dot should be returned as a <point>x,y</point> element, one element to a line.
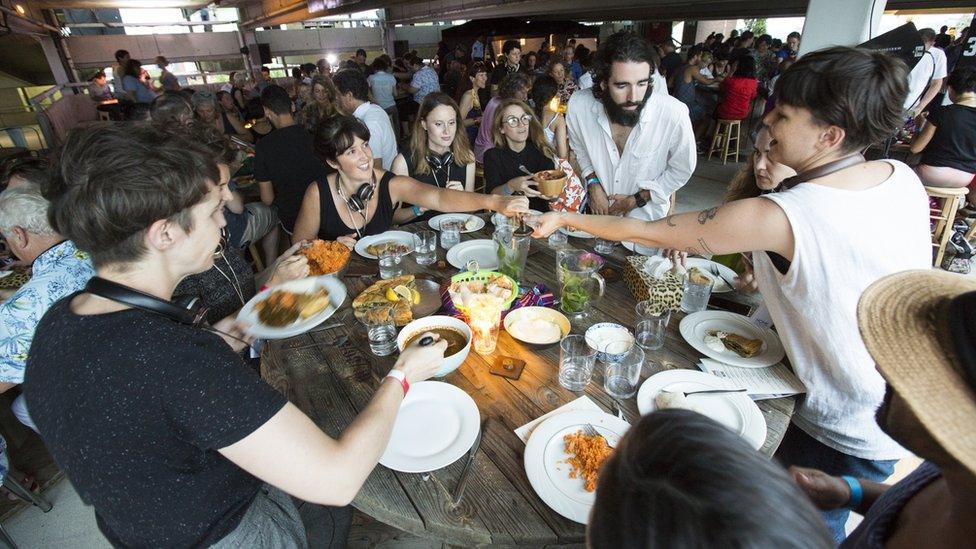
<point>575,233</point>
<point>400,237</point>
<point>476,222</point>
<point>436,425</point>
<point>337,294</point>
<point>696,326</point>
<point>734,410</point>
<point>483,250</point>
<point>545,460</point>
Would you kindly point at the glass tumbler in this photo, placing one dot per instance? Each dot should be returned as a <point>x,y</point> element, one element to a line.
<point>696,295</point>
<point>450,234</point>
<point>391,263</point>
<point>623,377</point>
<point>652,325</point>
<point>381,333</point>
<point>425,247</point>
<point>576,362</point>
<point>604,246</point>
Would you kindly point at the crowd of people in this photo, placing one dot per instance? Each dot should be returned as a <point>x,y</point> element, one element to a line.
<point>182,443</point>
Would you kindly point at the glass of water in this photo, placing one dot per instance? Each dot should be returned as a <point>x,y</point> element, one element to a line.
<point>425,247</point>
<point>391,262</point>
<point>652,325</point>
<point>696,295</point>
<point>623,377</point>
<point>576,362</point>
<point>381,333</point>
<point>558,239</point>
<point>604,246</point>
<point>450,234</point>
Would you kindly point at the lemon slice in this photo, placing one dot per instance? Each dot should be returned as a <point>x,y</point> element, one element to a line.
<point>416,297</point>
<point>397,293</point>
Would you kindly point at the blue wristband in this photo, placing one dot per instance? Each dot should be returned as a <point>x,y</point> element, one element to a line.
<point>506,190</point>
<point>416,211</point>
<point>857,493</point>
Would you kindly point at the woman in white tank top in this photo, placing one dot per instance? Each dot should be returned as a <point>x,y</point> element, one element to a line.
<point>553,122</point>
<point>840,225</point>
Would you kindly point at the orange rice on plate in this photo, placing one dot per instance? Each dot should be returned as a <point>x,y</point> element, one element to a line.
<point>325,257</point>
<point>588,453</point>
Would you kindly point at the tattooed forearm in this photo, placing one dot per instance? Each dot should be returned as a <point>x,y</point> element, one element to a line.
<point>705,215</point>
<point>691,250</point>
<point>670,221</point>
<point>704,246</point>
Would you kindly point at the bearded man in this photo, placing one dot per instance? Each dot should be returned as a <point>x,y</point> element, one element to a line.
<point>634,145</point>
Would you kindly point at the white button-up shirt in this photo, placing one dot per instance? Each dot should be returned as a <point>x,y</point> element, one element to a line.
<point>659,155</point>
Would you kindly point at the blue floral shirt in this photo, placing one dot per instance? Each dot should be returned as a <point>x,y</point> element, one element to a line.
<point>56,273</point>
<point>425,80</point>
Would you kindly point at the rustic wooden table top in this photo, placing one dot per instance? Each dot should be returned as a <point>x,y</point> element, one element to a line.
<point>331,375</point>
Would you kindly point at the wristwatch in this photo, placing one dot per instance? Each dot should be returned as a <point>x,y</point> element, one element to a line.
<point>640,199</point>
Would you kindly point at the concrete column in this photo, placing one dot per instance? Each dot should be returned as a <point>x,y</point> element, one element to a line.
<point>50,50</point>
<point>840,23</point>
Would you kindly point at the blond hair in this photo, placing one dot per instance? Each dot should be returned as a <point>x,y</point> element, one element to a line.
<point>536,134</point>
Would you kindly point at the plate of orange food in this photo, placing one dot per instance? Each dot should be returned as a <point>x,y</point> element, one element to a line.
<point>326,257</point>
<point>563,463</point>
<point>292,308</point>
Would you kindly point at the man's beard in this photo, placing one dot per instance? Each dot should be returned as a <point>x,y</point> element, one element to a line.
<point>618,114</point>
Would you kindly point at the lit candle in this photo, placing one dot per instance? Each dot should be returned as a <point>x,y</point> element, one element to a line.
<point>484,316</point>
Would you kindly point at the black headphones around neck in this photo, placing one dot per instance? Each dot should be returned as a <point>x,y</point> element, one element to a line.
<point>189,313</point>
<point>440,162</point>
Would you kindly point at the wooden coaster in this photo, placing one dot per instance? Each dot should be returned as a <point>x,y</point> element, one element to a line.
<point>509,367</point>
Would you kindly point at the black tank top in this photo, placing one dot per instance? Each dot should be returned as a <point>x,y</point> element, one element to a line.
<point>331,225</point>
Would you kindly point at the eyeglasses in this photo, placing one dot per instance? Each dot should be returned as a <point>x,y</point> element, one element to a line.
<point>515,121</point>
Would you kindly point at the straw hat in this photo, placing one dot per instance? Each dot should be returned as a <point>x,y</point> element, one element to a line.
<point>920,328</point>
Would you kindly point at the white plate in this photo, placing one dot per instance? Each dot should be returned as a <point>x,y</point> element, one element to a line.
<point>720,286</point>
<point>483,250</point>
<point>401,237</point>
<point>736,411</point>
<point>414,446</point>
<point>641,249</point>
<point>575,233</point>
<point>435,222</point>
<point>545,460</point>
<point>337,295</point>
<point>695,326</point>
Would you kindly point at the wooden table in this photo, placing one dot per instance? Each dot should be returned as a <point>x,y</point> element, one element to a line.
<point>331,375</point>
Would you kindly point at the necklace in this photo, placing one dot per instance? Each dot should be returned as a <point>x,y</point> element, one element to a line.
<point>349,208</point>
<point>236,283</point>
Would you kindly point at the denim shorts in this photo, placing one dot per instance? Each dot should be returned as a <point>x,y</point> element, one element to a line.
<point>271,522</point>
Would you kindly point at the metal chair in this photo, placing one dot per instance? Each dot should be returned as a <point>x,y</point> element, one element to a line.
<point>26,495</point>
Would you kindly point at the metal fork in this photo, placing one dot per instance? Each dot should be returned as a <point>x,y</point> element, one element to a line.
<point>591,431</point>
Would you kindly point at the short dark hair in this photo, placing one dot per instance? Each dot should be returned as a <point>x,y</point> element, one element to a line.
<point>695,50</point>
<point>747,35</point>
<point>112,180</point>
<point>621,46</point>
<point>927,34</point>
<point>510,45</point>
<point>361,52</point>
<point>680,480</point>
<point>253,109</point>
<point>793,34</point>
<point>132,67</point>
<point>543,90</point>
<point>209,137</point>
<point>34,170</point>
<point>170,107</point>
<point>379,64</point>
<point>352,80</point>
<point>745,67</point>
<point>860,91</point>
<point>332,136</point>
<point>119,54</point>
<point>963,79</point>
<point>276,99</point>
<point>296,73</point>
<point>414,60</point>
<point>98,74</point>
<point>265,69</point>
<point>511,83</point>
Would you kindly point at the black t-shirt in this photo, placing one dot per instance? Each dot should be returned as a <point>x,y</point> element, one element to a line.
<point>331,225</point>
<point>285,157</point>
<point>134,407</point>
<point>671,62</point>
<point>954,142</point>
<point>499,73</point>
<point>501,165</point>
<point>437,177</point>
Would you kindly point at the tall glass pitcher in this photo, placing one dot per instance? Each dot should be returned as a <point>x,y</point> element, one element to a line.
<point>580,285</point>
<point>512,250</point>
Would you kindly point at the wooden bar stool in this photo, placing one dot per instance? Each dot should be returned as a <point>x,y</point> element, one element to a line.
<point>726,132</point>
<point>948,199</point>
<point>479,178</point>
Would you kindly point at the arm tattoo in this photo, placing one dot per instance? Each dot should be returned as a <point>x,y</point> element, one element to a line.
<point>704,246</point>
<point>670,221</point>
<point>691,250</point>
<point>705,215</point>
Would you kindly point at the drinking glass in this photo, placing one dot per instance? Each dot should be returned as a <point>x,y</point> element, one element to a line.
<point>450,234</point>
<point>425,247</point>
<point>391,263</point>
<point>576,362</point>
<point>381,333</point>
<point>604,246</point>
<point>696,296</point>
<point>485,314</point>
<point>623,377</point>
<point>558,240</point>
<point>652,324</point>
<point>512,250</point>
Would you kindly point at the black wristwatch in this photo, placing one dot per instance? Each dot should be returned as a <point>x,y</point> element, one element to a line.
<point>640,200</point>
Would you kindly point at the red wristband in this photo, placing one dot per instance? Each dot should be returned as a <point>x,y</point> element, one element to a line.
<point>263,288</point>
<point>402,378</point>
